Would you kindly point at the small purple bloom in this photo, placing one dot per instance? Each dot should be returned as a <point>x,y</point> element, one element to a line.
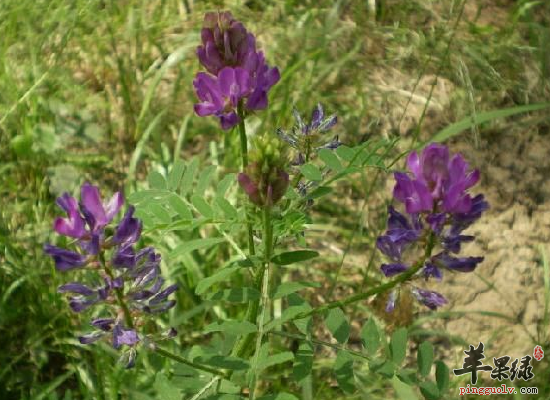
<point>225,42</point>
<point>392,298</point>
<point>90,337</point>
<point>238,74</point>
<point>430,270</point>
<point>159,308</point>
<point>393,269</point>
<point>161,296</point>
<point>220,95</point>
<point>263,79</point>
<point>122,336</point>
<point>73,225</point>
<point>105,324</point>
<point>75,287</point>
<point>129,229</point>
<point>65,259</point>
<point>413,193</point>
<point>461,264</point>
<point>97,213</point>
<point>430,299</point>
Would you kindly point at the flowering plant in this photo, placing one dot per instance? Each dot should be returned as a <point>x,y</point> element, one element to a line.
<point>258,230</point>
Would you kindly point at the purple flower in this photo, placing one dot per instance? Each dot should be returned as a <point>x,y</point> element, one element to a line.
<point>129,229</point>
<point>122,336</point>
<point>400,234</point>
<point>73,225</point>
<point>77,288</point>
<point>221,95</point>
<point>133,275</point>
<point>263,79</point>
<point>439,208</point>
<point>413,193</point>
<point>225,42</point>
<point>392,298</point>
<point>307,137</point>
<point>97,213</point>
<point>438,180</point>
<point>65,259</point>
<point>430,299</point>
<point>238,74</point>
<point>393,269</point>
<point>460,264</point>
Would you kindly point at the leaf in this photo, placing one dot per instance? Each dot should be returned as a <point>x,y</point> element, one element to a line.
<point>330,159</point>
<point>175,175</point>
<point>345,153</point>
<point>156,180</point>
<point>311,172</point>
<point>224,362</point>
<point>302,324</point>
<point>383,367</point>
<point>202,206</point>
<point>275,359</point>
<point>370,336</point>
<point>236,295</point>
<point>165,390</point>
<point>425,358</point>
<point>204,180</point>
<point>303,362</point>
<point>429,390</point>
<point>479,118</point>
<point>287,288</point>
<point>319,192</point>
<point>291,257</point>
<point>279,396</point>
<point>195,244</point>
<point>223,396</point>
<point>227,208</point>
<point>189,176</point>
<point>403,391</point>
<point>338,325</point>
<point>343,369</point>
<point>233,327</point>
<point>179,206</point>
<point>399,345</point>
<point>146,195</point>
<point>160,213</point>
<point>219,276</point>
<point>225,183</point>
<point>442,376</point>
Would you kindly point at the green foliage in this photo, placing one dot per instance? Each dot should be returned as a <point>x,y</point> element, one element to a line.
<point>102,91</point>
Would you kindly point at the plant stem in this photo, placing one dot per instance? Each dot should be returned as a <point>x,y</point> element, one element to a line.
<point>119,294</point>
<point>376,290</point>
<point>244,159</point>
<point>181,360</point>
<point>268,249</point>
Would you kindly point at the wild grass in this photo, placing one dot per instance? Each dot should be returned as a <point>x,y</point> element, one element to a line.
<point>102,91</point>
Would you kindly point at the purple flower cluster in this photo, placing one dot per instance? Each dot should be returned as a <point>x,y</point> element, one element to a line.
<point>128,281</point>
<point>307,138</point>
<point>238,74</point>
<point>438,209</point>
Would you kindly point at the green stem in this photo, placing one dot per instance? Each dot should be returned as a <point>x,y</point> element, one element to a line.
<point>119,294</point>
<point>268,249</point>
<point>376,290</point>
<point>253,307</point>
<point>181,360</point>
<point>244,159</point>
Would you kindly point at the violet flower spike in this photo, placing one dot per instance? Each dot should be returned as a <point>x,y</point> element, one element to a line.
<point>439,207</point>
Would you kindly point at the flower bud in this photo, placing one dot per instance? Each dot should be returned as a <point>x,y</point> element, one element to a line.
<point>265,180</point>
